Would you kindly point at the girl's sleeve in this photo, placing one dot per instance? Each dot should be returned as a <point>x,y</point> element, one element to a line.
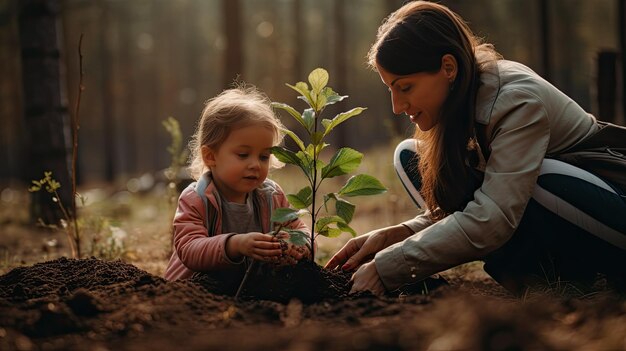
<point>519,140</point>
<point>195,248</point>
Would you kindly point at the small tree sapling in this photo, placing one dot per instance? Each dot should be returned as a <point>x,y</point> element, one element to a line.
<point>307,158</point>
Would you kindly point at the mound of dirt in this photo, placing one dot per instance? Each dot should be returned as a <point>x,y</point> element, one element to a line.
<point>69,304</point>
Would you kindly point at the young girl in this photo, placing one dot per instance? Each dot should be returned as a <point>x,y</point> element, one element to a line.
<point>230,159</point>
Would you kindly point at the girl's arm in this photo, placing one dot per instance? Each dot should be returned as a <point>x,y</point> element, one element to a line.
<point>195,248</point>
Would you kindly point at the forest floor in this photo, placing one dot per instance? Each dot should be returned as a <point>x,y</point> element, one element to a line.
<point>93,304</point>
<point>118,301</point>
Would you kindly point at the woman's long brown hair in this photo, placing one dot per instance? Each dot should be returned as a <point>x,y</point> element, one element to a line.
<point>414,39</point>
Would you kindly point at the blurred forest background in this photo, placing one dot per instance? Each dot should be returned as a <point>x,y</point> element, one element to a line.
<point>145,60</point>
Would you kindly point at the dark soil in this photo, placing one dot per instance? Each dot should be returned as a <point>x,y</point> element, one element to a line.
<point>69,304</point>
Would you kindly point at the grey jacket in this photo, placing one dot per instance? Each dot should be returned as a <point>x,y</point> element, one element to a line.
<point>526,119</point>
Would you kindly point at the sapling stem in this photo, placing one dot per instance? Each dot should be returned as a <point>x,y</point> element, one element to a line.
<point>245,278</point>
<point>75,127</point>
<point>250,267</point>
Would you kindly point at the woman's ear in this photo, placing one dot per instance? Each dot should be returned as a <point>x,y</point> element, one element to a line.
<point>208,156</point>
<point>449,66</point>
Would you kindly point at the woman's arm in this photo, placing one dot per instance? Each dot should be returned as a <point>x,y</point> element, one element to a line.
<point>363,248</point>
<point>520,137</point>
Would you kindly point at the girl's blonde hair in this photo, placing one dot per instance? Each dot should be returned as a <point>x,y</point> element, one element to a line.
<point>233,108</point>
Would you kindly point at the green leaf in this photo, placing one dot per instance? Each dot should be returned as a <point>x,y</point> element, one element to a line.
<point>316,138</point>
<point>302,88</point>
<point>297,237</point>
<point>288,156</point>
<point>327,197</point>
<point>306,160</point>
<point>331,96</point>
<point>284,214</point>
<point>320,102</point>
<point>312,151</point>
<point>344,209</point>
<point>324,222</point>
<point>309,119</point>
<point>295,114</point>
<point>330,232</point>
<point>343,162</point>
<point>340,118</point>
<point>318,79</point>
<point>346,229</point>
<point>302,199</point>
<point>362,184</point>
<point>295,138</point>
<point>285,155</point>
<point>320,147</point>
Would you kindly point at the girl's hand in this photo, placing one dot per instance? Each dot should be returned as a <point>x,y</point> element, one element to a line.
<point>291,253</point>
<point>259,246</point>
<point>366,278</point>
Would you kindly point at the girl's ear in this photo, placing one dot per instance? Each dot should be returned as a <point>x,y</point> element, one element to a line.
<point>208,156</point>
<point>449,66</point>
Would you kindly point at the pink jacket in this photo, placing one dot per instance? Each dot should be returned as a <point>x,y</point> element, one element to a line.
<point>197,249</point>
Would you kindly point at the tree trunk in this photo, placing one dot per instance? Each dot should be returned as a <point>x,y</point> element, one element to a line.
<point>341,49</point>
<point>621,23</point>
<point>45,106</point>
<point>299,42</point>
<point>544,25</point>
<point>233,61</point>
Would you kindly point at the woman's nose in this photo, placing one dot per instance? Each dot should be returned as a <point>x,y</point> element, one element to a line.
<point>398,105</point>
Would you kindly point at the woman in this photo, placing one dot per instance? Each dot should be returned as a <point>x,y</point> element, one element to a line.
<point>486,127</point>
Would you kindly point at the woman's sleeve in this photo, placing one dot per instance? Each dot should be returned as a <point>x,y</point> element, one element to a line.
<point>519,140</point>
<point>195,248</point>
<point>419,223</point>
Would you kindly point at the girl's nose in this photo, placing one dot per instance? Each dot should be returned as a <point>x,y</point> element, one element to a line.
<point>254,163</point>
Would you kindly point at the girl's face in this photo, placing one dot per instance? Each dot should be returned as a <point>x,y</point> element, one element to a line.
<point>419,95</point>
<point>241,163</point>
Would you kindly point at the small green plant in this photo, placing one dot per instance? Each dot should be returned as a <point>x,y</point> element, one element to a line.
<point>178,156</point>
<point>69,225</point>
<point>107,241</point>
<point>307,158</point>
<point>69,222</point>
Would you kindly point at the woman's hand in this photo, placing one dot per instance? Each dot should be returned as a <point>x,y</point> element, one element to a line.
<point>366,278</point>
<point>259,246</point>
<point>363,248</point>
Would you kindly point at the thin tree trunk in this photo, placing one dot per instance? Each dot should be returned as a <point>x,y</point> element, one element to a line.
<point>107,87</point>
<point>544,25</point>
<point>299,44</point>
<point>622,47</point>
<point>233,61</point>
<point>45,106</point>
<point>341,43</point>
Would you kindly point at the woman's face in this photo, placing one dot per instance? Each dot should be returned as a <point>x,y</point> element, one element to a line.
<point>419,95</point>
